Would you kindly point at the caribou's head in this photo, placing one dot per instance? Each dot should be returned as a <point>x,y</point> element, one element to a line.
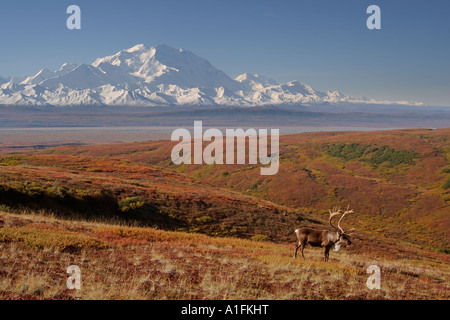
<point>342,238</point>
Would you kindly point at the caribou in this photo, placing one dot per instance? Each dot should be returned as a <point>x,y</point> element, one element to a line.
<point>323,238</point>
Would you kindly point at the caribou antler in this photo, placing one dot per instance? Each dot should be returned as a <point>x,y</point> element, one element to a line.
<point>343,215</point>
<point>332,214</point>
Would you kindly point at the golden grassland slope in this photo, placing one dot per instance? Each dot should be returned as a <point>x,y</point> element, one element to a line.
<point>123,262</point>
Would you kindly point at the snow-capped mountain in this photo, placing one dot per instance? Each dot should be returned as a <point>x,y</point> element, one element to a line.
<point>160,75</point>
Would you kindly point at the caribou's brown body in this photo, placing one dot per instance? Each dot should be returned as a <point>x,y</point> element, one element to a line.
<point>323,238</point>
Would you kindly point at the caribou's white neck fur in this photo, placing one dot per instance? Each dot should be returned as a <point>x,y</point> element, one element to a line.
<point>336,247</point>
<point>333,237</point>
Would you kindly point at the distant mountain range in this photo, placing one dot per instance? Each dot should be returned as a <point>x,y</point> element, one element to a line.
<point>158,76</point>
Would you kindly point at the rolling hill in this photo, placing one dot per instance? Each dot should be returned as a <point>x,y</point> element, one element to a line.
<point>397,181</point>
<point>127,204</point>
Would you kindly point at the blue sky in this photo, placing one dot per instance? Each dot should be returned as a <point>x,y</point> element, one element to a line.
<point>324,43</point>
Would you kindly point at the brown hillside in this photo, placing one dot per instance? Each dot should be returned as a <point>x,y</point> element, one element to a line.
<point>397,181</point>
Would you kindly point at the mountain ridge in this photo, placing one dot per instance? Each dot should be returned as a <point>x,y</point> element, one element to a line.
<point>160,75</point>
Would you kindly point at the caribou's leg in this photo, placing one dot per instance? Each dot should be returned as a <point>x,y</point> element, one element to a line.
<point>326,253</point>
<point>296,248</point>
<point>300,246</point>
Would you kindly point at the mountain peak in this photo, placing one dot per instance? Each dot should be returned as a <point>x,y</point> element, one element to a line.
<point>255,79</point>
<point>138,47</point>
<point>66,67</point>
<point>163,50</point>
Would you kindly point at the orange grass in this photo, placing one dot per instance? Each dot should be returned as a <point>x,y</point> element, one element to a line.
<point>145,263</point>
